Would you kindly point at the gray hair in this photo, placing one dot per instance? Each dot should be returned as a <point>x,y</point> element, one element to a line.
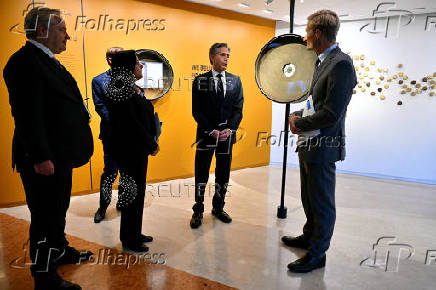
<point>327,21</point>
<point>215,48</point>
<point>113,50</point>
<point>39,16</point>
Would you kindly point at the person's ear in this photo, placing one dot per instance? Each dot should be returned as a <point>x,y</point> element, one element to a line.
<point>41,31</point>
<point>318,33</point>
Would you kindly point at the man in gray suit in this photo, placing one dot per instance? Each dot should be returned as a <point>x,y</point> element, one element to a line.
<point>331,91</point>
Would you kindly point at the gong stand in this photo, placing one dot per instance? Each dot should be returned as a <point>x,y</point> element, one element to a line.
<point>282,210</point>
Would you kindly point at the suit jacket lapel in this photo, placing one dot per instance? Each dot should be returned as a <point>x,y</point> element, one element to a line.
<point>210,86</point>
<point>323,66</point>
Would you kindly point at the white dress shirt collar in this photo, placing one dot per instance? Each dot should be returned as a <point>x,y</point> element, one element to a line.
<point>215,73</point>
<point>42,47</point>
<point>326,52</point>
<point>223,79</point>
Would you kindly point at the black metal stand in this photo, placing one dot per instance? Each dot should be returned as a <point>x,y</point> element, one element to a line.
<point>282,211</point>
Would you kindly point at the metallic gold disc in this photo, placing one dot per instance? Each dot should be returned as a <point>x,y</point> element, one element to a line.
<point>382,97</point>
<point>372,62</point>
<point>386,86</point>
<point>284,69</point>
<point>382,78</point>
<point>377,82</point>
<point>362,57</point>
<point>394,77</point>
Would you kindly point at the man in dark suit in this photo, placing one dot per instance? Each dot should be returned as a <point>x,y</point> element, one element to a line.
<point>52,136</point>
<point>331,91</point>
<point>110,170</point>
<point>217,100</point>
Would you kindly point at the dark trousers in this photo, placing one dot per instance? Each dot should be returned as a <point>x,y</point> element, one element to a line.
<point>133,175</point>
<point>48,199</point>
<point>318,182</point>
<point>203,158</point>
<point>110,172</point>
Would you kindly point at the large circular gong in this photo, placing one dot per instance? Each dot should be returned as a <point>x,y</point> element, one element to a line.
<point>157,74</point>
<point>284,69</point>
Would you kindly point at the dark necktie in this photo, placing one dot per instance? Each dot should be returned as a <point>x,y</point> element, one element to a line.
<point>317,63</point>
<point>220,87</point>
<point>315,72</point>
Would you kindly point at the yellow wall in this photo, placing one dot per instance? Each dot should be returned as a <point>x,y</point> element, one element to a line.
<point>189,31</point>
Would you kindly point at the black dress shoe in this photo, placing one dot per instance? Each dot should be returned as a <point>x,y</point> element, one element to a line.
<point>99,215</point>
<point>298,242</point>
<point>53,281</point>
<point>72,256</point>
<point>139,248</point>
<point>146,239</point>
<point>196,220</point>
<point>222,216</point>
<point>306,264</point>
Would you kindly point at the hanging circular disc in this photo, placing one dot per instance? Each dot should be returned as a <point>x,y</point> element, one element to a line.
<point>284,69</point>
<point>157,73</point>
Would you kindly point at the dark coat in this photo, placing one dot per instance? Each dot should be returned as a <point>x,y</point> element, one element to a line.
<point>51,120</point>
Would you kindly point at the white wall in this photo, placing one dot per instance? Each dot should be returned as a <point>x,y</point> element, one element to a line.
<point>383,139</point>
